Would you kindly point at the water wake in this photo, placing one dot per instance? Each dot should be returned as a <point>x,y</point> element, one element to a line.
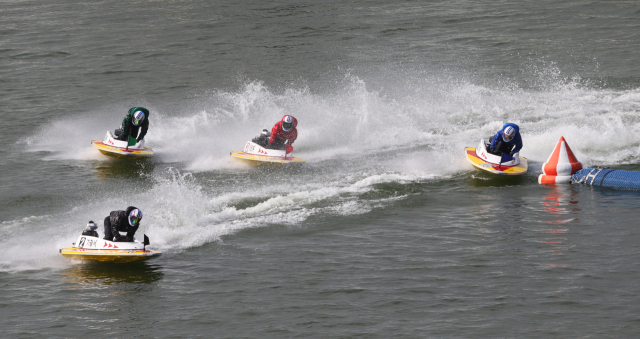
<point>351,120</point>
<point>354,139</point>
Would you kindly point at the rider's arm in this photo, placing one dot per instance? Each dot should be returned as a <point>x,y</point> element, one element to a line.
<point>294,136</point>
<point>143,129</point>
<point>494,140</point>
<point>114,218</point>
<point>125,129</point>
<point>518,143</point>
<point>274,132</point>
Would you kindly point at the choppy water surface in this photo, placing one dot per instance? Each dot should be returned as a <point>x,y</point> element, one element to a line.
<point>386,231</point>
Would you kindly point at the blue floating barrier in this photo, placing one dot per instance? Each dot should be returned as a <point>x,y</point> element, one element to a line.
<point>606,177</point>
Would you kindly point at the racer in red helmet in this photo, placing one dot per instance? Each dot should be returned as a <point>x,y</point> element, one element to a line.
<point>284,132</point>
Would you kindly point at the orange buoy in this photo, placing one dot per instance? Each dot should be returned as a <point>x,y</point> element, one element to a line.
<point>562,163</point>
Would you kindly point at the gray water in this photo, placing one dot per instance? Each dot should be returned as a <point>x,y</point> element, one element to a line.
<point>385,232</point>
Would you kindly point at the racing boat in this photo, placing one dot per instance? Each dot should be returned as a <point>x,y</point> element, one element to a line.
<point>90,246</point>
<point>122,148</point>
<point>502,164</point>
<point>256,153</point>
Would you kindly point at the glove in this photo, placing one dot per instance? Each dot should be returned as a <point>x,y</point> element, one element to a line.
<point>516,155</point>
<point>117,237</point>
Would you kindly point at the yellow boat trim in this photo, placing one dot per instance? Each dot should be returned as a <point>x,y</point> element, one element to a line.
<point>121,152</point>
<point>109,255</point>
<point>255,159</point>
<point>480,164</point>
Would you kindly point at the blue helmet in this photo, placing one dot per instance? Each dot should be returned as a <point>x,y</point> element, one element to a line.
<point>134,217</point>
<point>138,118</point>
<point>508,133</point>
<point>287,123</point>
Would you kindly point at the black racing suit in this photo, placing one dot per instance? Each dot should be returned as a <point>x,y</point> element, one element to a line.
<point>116,222</point>
<point>501,147</point>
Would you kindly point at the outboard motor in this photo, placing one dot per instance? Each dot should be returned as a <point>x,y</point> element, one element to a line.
<point>262,139</point>
<point>90,230</point>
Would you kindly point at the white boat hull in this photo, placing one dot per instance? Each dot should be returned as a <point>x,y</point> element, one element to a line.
<point>94,248</point>
<point>255,154</point>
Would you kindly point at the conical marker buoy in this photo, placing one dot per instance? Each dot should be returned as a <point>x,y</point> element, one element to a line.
<point>560,165</point>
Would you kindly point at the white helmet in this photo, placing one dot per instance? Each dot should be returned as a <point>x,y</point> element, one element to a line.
<point>138,118</point>
<point>287,123</point>
<point>508,133</point>
<point>134,217</point>
<point>91,226</point>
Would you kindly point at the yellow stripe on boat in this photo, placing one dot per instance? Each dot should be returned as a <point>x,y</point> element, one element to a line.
<point>255,159</point>
<point>121,152</point>
<point>109,255</point>
<point>480,164</point>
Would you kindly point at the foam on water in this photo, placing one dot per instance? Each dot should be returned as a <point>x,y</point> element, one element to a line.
<point>180,215</point>
<point>351,119</point>
<point>414,133</point>
<point>442,118</point>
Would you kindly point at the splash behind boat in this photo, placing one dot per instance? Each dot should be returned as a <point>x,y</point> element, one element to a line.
<point>481,159</point>
<point>90,246</point>
<point>255,153</point>
<point>118,148</point>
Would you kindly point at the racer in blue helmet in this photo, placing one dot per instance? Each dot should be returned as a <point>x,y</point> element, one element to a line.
<point>507,140</point>
<point>122,221</point>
